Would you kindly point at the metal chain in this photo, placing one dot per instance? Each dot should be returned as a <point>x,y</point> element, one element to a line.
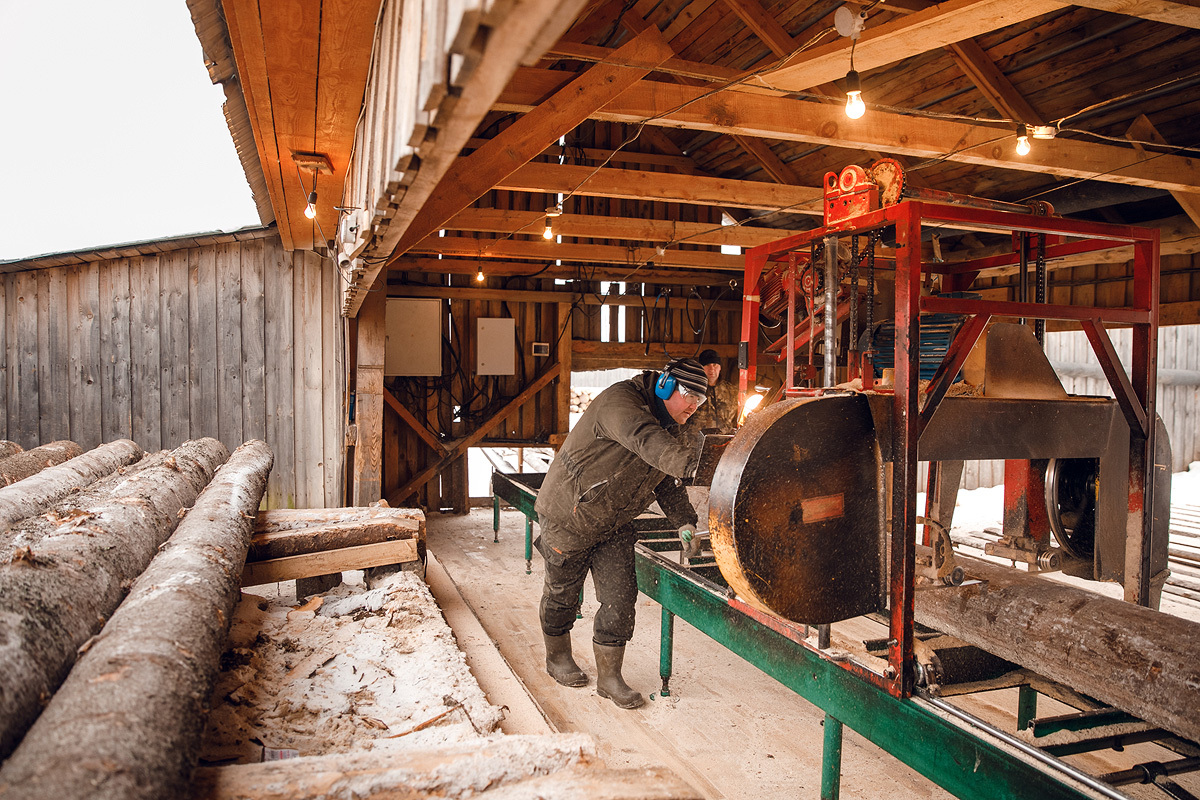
<point>1040,277</point>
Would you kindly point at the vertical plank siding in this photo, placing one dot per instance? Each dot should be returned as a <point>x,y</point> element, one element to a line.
<point>236,341</point>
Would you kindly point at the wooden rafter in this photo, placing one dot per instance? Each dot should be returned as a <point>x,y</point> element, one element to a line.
<point>487,220</point>
<point>414,423</point>
<point>1185,14</point>
<point>663,187</point>
<point>548,269</point>
<point>731,111</point>
<point>572,298</point>
<point>1143,130</point>
<point>993,83</point>
<point>466,247</point>
<point>460,447</point>
<point>475,174</point>
<point>919,32</point>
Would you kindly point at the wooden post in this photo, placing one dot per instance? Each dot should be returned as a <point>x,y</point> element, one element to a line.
<point>368,452</point>
<point>563,393</point>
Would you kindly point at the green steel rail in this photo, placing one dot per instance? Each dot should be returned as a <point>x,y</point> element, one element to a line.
<point>962,755</point>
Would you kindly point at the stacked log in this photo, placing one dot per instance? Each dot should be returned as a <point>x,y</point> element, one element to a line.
<point>8,448</point>
<point>128,720</point>
<point>58,593</point>
<point>30,462</point>
<point>39,491</point>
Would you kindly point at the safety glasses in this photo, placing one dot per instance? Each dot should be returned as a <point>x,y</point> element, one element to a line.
<point>691,394</point>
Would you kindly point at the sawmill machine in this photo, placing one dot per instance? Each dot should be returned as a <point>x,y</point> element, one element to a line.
<point>813,504</point>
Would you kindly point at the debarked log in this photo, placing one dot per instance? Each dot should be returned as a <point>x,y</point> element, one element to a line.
<point>1139,660</point>
<point>59,592</point>
<point>37,492</point>
<point>20,466</point>
<point>128,720</point>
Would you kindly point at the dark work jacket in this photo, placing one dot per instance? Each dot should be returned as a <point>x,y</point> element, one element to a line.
<point>621,455</point>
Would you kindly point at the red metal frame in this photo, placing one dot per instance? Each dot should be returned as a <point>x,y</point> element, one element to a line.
<point>1135,393</point>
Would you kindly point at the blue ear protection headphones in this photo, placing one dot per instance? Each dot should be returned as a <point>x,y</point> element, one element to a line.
<point>665,384</point>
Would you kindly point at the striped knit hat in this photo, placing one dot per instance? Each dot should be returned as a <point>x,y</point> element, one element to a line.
<point>688,372</point>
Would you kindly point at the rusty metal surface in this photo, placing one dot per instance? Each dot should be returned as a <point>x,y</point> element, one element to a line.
<point>793,510</point>
<point>712,446</point>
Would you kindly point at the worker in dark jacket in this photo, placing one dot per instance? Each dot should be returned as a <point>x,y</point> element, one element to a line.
<point>721,411</point>
<point>622,454</point>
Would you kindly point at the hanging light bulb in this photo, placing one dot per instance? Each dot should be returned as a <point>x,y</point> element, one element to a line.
<point>1022,140</point>
<point>479,276</point>
<point>551,212</point>
<point>310,210</point>
<point>855,107</point>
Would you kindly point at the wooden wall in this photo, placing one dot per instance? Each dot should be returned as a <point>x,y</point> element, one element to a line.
<point>235,340</point>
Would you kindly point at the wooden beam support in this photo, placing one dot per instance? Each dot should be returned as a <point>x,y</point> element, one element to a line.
<point>368,401</point>
<point>1143,130</point>
<point>665,187</point>
<point>561,298</point>
<point>658,231</point>
<point>406,415</point>
<point>543,269</point>
<point>992,83</point>
<point>732,111</point>
<point>1185,14</point>
<point>765,156</point>
<point>467,247</point>
<point>472,176</point>
<point>919,32</point>
<point>562,394</point>
<point>588,354</point>
<point>328,562</point>
<point>764,25</point>
<point>461,447</point>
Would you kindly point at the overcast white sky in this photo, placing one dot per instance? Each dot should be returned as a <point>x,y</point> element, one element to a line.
<point>110,130</point>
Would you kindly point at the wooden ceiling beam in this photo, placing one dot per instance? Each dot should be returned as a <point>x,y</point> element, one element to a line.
<point>764,25</point>
<point>596,154</point>
<point>993,83</point>
<point>507,45</point>
<point>710,73</point>
<point>653,231</point>
<point>1143,130</point>
<point>549,270</point>
<point>472,176</point>
<point>663,187</point>
<point>919,32</point>
<point>541,250</point>
<point>1182,13</point>
<point>587,299</point>
<point>731,111</point>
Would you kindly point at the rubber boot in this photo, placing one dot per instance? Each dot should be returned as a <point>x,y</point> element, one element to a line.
<point>559,663</point>
<point>609,682</point>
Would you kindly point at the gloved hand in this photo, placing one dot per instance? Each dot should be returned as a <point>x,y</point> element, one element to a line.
<point>691,542</point>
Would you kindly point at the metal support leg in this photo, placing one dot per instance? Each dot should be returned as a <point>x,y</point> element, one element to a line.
<point>528,545</point>
<point>1026,706</point>
<point>831,762</point>
<point>495,519</point>
<point>665,650</point>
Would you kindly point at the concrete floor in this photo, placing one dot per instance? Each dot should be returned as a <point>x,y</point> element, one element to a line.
<point>727,729</point>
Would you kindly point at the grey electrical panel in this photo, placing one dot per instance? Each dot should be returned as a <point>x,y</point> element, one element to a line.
<point>413,330</point>
<point>495,346</point>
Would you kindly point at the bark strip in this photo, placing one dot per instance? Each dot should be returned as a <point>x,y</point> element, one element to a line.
<point>39,491</point>
<point>20,466</point>
<point>128,720</point>
<point>1136,659</point>
<point>59,592</point>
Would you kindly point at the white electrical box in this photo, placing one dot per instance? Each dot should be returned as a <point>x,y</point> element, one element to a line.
<point>413,331</point>
<point>495,346</point>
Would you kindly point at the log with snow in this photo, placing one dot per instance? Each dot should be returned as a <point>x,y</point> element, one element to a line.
<point>37,492</point>
<point>59,592</point>
<point>128,720</point>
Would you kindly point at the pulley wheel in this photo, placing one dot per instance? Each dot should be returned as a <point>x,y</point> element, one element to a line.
<point>1072,485</point>
<point>793,510</point>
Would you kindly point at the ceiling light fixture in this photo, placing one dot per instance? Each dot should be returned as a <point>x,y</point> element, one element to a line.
<point>855,107</point>
<point>479,276</point>
<point>310,210</point>
<point>551,212</point>
<point>1043,131</point>
<point>1022,140</point>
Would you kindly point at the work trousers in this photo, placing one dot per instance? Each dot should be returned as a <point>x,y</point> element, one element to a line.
<point>613,576</point>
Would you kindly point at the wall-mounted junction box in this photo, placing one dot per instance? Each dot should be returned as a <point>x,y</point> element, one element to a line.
<point>539,349</point>
<point>495,346</point>
<point>413,336</point>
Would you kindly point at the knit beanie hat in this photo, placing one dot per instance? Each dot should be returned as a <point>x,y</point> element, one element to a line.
<point>688,372</point>
<point>707,357</point>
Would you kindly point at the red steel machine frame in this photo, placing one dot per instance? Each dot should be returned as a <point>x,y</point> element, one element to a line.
<point>1135,395</point>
